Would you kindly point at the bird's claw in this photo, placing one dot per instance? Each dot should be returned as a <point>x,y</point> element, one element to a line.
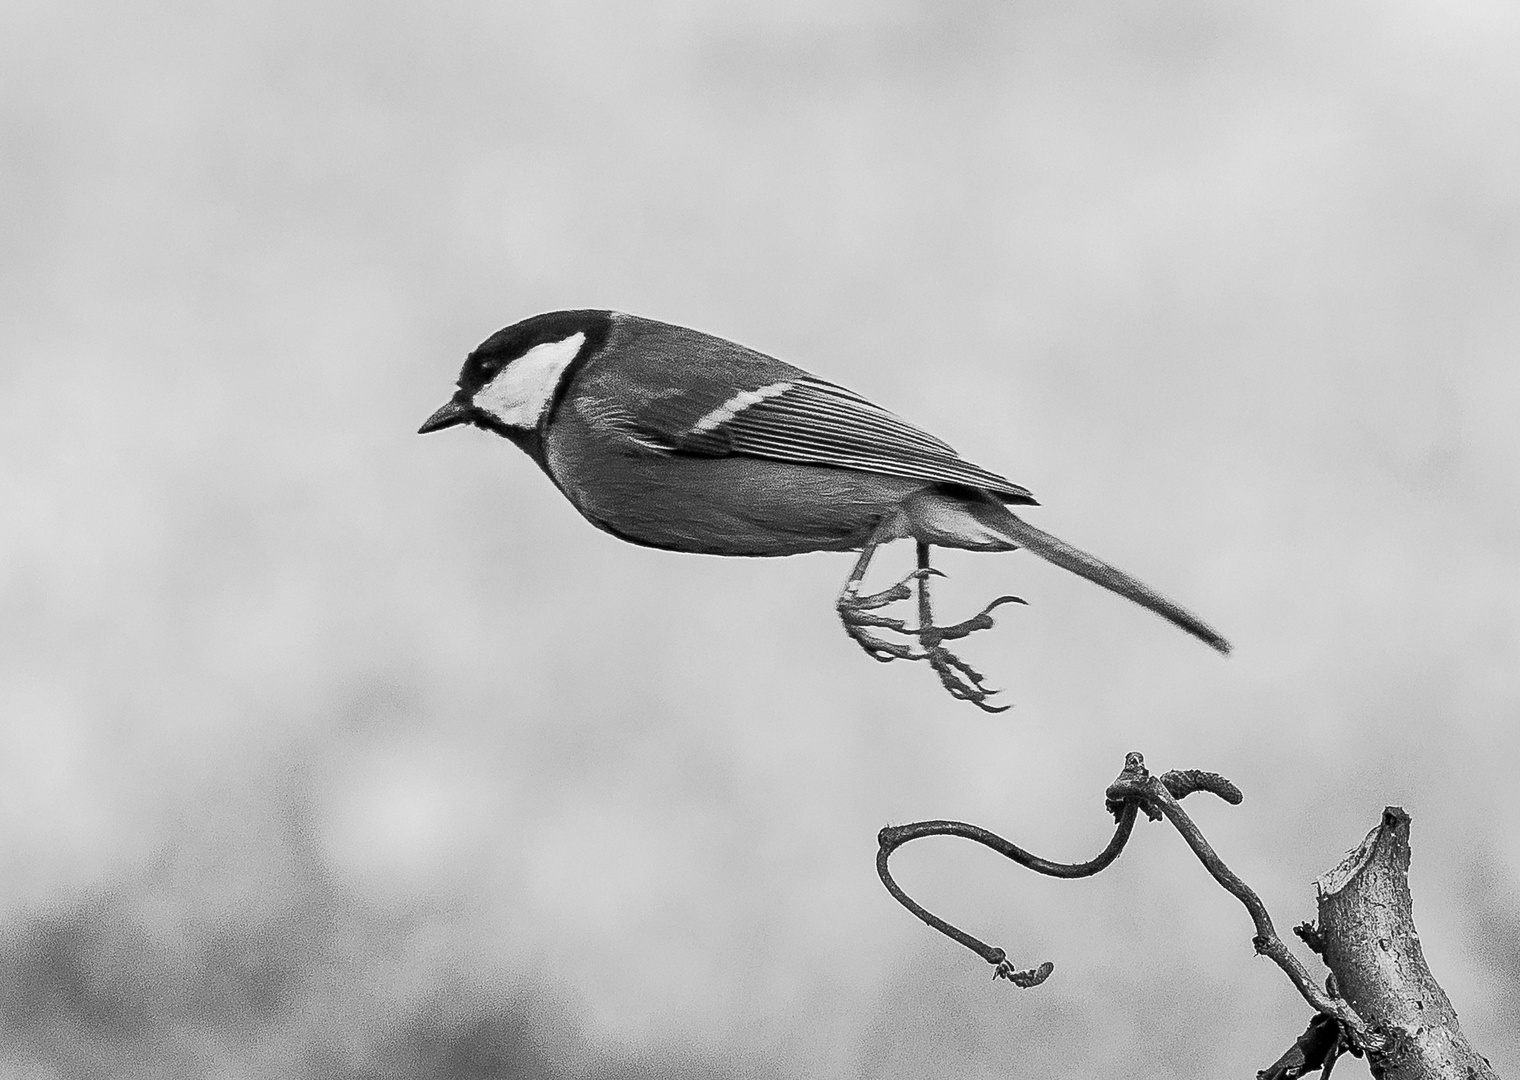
<point>959,678</point>
<point>891,595</point>
<point>982,620</point>
<point>859,621</point>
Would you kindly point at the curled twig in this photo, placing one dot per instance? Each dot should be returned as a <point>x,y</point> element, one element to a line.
<point>894,836</point>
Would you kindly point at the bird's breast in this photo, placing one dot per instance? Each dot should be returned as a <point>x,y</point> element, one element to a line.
<point>718,505</point>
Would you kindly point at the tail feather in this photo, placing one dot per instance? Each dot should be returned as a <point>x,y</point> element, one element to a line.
<point>1079,562</point>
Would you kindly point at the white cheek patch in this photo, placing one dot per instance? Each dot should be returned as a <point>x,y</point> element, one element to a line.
<point>519,395</point>
<point>744,399</point>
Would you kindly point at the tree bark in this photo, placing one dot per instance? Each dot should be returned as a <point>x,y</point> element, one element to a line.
<point>1366,925</point>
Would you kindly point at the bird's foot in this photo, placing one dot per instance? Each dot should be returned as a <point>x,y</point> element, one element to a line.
<point>859,618</point>
<point>960,679</point>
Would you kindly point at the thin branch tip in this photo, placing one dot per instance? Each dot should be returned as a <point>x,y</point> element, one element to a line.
<point>1184,782</point>
<point>1026,979</point>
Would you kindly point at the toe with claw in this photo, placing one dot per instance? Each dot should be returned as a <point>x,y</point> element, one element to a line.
<point>959,678</point>
<point>860,617</point>
<point>858,613</point>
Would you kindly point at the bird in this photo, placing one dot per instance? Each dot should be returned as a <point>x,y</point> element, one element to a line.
<point>672,438</point>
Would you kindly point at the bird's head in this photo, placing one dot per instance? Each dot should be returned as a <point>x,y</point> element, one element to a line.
<point>513,379</point>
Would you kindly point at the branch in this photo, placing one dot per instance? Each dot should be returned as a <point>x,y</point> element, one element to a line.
<point>1381,999</point>
<point>894,836</point>
<point>1122,803</point>
<point>1317,1048</point>
<point>1136,790</point>
<point>1366,925</point>
<point>1156,796</point>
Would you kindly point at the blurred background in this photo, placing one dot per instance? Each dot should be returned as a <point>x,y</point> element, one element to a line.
<point>330,751</point>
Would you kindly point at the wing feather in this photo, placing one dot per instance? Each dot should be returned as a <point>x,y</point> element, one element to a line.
<point>814,422</point>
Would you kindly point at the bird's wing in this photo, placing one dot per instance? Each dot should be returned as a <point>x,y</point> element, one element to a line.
<point>724,399</point>
<point>815,422</point>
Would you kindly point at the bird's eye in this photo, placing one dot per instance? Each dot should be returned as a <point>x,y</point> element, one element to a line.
<point>479,370</point>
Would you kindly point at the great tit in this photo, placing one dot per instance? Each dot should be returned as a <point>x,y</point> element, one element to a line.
<point>675,439</point>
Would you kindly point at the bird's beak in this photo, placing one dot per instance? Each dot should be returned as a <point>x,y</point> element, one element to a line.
<point>453,412</point>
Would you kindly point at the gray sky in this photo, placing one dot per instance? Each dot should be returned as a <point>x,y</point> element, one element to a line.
<point>318,739</point>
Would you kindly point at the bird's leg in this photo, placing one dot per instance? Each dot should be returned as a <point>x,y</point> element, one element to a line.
<point>858,612</point>
<point>960,679</point>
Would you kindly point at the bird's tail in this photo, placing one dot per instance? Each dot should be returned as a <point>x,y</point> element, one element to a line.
<point>1057,551</point>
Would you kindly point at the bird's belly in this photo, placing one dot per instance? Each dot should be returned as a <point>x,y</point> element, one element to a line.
<point>729,506</point>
